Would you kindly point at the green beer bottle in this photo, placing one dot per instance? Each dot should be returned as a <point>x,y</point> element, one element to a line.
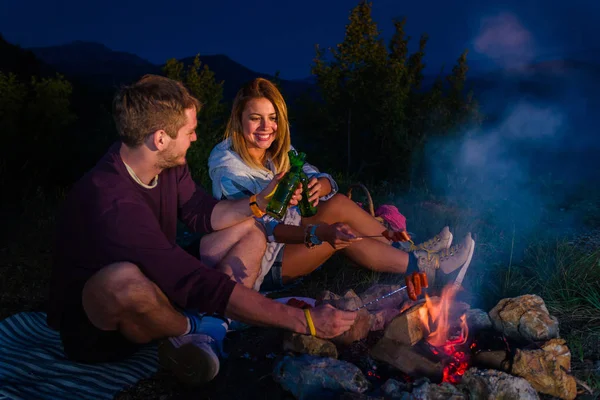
<point>306,207</point>
<point>278,204</point>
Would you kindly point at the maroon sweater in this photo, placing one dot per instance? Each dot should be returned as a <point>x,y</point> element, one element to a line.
<point>108,217</point>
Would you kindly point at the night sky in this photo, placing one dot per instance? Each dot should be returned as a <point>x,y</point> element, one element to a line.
<point>267,36</point>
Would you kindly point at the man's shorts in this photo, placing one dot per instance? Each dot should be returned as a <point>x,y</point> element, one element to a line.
<point>83,342</point>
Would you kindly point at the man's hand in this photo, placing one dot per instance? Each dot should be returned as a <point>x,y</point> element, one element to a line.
<point>330,322</point>
<point>338,235</point>
<point>263,198</point>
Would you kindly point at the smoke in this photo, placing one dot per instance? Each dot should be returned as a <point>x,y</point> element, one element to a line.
<point>504,39</point>
<point>536,157</point>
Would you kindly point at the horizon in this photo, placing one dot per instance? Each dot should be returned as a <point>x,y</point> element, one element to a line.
<point>548,59</point>
<point>495,35</point>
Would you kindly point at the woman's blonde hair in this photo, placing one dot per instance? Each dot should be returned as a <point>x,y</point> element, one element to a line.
<point>277,152</point>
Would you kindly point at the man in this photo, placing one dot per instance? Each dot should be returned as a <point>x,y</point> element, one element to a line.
<point>120,280</point>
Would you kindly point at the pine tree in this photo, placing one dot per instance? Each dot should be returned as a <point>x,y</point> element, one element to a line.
<point>201,82</point>
<point>374,102</point>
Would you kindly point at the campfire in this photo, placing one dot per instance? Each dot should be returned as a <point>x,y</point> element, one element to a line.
<point>435,345</point>
<point>446,335</point>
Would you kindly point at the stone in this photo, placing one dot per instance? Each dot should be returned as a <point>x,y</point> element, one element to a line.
<point>309,377</point>
<point>358,396</point>
<point>546,369</point>
<point>406,359</point>
<point>524,318</point>
<point>407,327</point>
<point>394,301</point>
<point>443,391</point>
<point>395,390</point>
<point>349,301</point>
<point>308,344</point>
<point>478,320</point>
<point>358,331</point>
<point>485,384</point>
<point>380,319</point>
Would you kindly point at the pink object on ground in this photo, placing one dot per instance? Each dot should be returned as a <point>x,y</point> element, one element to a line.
<point>392,216</point>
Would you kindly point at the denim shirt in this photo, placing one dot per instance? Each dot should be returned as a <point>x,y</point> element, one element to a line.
<point>232,178</point>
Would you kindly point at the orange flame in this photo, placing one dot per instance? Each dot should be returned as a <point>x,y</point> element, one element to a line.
<point>435,318</point>
<point>437,326</point>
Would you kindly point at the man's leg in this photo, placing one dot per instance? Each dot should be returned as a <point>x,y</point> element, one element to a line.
<point>121,298</point>
<point>236,251</point>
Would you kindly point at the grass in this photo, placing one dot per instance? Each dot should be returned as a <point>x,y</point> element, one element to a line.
<point>508,262</point>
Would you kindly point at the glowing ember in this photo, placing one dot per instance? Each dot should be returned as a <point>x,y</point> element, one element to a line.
<point>439,333</point>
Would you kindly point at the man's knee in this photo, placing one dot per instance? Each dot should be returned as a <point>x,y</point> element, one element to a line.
<point>117,289</point>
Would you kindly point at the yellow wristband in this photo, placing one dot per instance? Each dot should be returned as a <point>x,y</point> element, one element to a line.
<point>309,320</point>
<point>272,192</point>
<point>254,207</point>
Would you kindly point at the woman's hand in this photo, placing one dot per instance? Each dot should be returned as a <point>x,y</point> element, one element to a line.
<point>265,195</point>
<point>318,187</point>
<point>314,191</point>
<point>338,235</point>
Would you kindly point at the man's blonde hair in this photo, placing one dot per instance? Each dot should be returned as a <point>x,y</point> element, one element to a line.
<point>151,104</point>
<point>256,89</point>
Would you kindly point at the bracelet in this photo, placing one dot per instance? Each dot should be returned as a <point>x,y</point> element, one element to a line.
<point>311,325</point>
<point>307,240</point>
<point>254,207</point>
<point>313,234</point>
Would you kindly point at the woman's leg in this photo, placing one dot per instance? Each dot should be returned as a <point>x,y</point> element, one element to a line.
<point>373,253</point>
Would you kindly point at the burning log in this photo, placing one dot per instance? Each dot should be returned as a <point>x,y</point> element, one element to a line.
<point>406,359</point>
<point>407,327</point>
<point>498,359</point>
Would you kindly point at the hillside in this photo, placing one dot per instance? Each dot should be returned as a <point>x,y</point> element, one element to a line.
<point>103,68</point>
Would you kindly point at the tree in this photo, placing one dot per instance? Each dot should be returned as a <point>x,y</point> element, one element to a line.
<point>35,120</point>
<point>373,102</point>
<point>201,82</point>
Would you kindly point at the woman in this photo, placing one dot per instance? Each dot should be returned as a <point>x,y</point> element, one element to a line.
<point>257,140</point>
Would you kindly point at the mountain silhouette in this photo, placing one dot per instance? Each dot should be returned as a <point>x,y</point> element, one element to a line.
<point>97,65</point>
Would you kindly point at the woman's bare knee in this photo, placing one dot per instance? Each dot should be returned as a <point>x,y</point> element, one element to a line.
<point>214,247</point>
<point>116,290</point>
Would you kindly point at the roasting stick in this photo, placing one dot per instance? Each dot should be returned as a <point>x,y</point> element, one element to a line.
<point>396,236</point>
<point>371,236</point>
<point>417,281</point>
<point>385,296</point>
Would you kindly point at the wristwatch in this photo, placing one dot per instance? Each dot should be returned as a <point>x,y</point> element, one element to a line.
<point>311,239</point>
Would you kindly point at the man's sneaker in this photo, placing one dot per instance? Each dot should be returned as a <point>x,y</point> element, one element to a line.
<point>441,241</point>
<point>192,358</point>
<point>238,326</point>
<point>447,259</point>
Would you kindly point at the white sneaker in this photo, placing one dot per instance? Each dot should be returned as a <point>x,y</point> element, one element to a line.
<point>447,259</point>
<point>441,241</point>
<point>192,358</point>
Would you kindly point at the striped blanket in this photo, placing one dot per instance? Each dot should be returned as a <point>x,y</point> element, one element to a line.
<point>33,365</point>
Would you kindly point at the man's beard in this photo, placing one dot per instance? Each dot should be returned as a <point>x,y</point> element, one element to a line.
<point>169,159</point>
